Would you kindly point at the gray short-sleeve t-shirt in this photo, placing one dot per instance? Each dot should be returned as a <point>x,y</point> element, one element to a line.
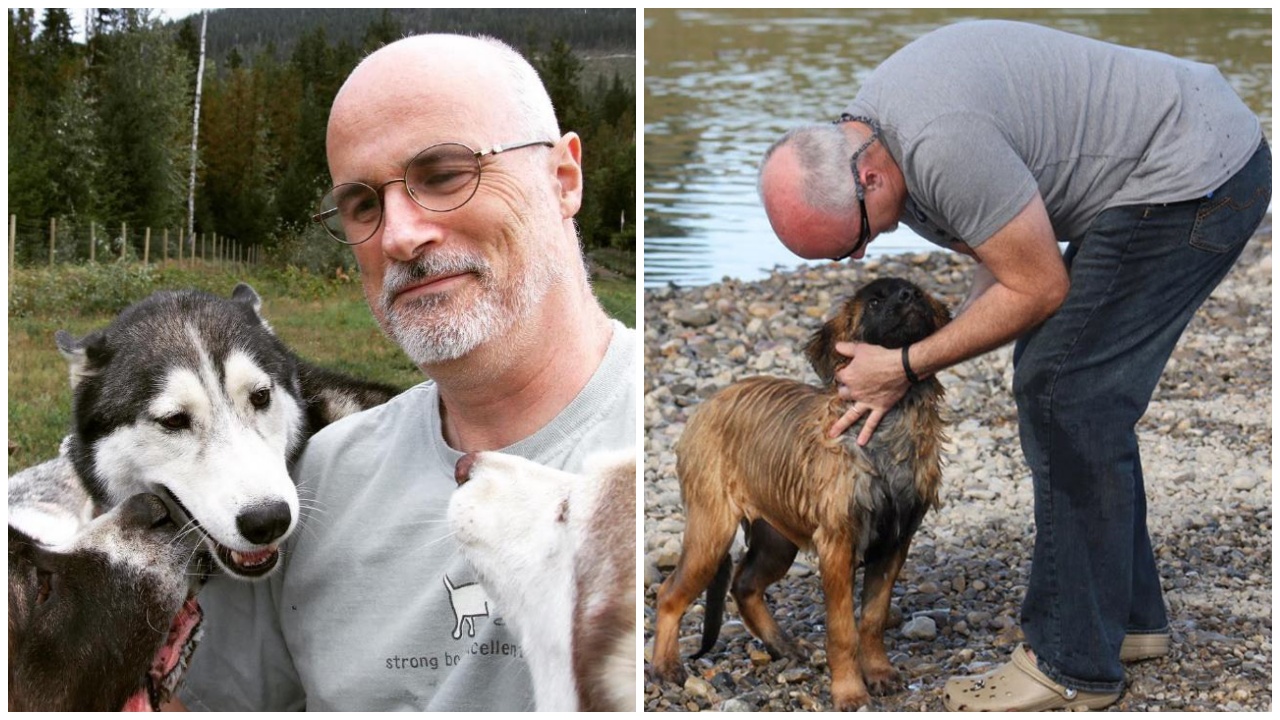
<point>982,115</point>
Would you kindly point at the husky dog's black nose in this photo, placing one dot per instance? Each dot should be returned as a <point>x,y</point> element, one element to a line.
<point>264,523</point>
<point>908,293</point>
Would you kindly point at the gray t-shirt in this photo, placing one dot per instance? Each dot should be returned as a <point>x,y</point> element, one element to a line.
<point>980,115</point>
<point>374,608</point>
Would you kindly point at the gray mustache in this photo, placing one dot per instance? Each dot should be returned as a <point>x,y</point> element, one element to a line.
<point>400,275</point>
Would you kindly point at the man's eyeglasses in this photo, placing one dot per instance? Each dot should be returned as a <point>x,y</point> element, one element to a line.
<point>441,178</point>
<point>864,235</point>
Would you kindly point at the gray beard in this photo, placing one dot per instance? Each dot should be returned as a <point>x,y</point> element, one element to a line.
<point>434,328</point>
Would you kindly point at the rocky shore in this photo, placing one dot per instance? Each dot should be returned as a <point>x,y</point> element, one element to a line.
<point>1206,448</point>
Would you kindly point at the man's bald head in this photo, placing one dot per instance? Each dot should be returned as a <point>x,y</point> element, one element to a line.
<point>807,189</point>
<point>480,82</point>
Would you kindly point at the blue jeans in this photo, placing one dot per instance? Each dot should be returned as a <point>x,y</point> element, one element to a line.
<point>1082,380</point>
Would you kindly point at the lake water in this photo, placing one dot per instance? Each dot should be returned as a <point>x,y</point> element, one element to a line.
<point>721,85</point>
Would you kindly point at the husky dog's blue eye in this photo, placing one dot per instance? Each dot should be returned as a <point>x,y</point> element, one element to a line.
<point>261,398</point>
<point>176,421</point>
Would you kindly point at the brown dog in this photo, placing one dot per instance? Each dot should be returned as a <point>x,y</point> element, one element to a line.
<point>757,452</point>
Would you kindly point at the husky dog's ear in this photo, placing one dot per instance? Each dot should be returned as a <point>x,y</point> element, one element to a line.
<point>244,293</point>
<point>84,357</point>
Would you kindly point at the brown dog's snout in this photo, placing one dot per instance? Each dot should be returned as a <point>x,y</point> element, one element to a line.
<point>146,510</point>
<point>462,471</point>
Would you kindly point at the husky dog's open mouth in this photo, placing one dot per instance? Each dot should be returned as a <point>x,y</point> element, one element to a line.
<point>250,564</point>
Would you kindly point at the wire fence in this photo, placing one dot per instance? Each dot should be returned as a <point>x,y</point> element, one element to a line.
<point>63,241</point>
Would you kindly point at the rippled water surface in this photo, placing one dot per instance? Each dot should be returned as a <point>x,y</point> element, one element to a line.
<point>721,85</point>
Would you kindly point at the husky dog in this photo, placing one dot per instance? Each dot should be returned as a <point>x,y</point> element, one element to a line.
<point>192,397</point>
<point>556,553</point>
<point>107,619</point>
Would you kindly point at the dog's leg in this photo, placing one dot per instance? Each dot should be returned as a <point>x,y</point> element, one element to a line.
<point>707,537</point>
<point>877,590</point>
<point>837,562</point>
<point>769,556</point>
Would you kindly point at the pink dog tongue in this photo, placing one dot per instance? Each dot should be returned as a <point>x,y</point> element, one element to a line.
<point>138,702</point>
<point>167,659</point>
<point>162,676</point>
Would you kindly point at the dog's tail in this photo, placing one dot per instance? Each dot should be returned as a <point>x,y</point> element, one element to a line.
<point>714,614</point>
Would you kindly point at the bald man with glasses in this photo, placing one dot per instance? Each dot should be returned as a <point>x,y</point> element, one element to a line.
<point>457,191</point>
<point>999,140</point>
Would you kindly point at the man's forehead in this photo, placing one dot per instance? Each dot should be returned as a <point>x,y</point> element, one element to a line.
<point>402,117</point>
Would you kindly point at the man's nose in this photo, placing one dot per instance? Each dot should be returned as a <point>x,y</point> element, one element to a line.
<point>407,228</point>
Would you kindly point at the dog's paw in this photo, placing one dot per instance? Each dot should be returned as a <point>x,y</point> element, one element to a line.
<point>782,647</point>
<point>670,673</point>
<point>883,681</point>
<point>850,701</point>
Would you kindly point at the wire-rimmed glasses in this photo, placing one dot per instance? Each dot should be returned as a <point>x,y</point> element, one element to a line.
<point>441,178</point>
<point>864,235</point>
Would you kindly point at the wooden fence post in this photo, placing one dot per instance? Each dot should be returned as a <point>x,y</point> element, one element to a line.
<point>146,247</point>
<point>13,231</point>
<point>93,241</point>
<point>124,238</point>
<point>166,245</point>
<point>180,243</point>
<point>53,234</point>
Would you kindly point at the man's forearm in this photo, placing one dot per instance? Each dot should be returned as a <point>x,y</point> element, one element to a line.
<point>988,319</point>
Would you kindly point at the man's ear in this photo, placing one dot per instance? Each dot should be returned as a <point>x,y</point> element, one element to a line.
<point>568,153</point>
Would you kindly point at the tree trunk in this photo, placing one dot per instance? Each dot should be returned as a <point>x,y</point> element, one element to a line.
<point>195,129</point>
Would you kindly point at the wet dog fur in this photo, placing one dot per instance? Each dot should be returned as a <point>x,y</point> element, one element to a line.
<point>757,453</point>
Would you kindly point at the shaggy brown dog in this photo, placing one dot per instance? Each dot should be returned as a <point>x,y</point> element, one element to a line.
<point>757,452</point>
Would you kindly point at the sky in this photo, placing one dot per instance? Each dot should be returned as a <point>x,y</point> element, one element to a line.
<point>77,17</point>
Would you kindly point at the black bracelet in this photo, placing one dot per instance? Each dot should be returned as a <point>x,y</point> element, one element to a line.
<point>906,365</point>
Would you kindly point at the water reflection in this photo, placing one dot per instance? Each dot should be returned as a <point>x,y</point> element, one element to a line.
<point>721,85</point>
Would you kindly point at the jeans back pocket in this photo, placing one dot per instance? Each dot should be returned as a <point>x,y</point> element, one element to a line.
<point>1230,215</point>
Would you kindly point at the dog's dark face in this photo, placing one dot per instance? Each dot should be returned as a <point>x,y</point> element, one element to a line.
<point>107,622</point>
<point>889,312</point>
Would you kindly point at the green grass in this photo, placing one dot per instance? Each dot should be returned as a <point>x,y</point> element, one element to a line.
<point>324,320</point>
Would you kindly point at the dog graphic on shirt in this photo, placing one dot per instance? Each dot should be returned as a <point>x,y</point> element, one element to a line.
<point>469,602</point>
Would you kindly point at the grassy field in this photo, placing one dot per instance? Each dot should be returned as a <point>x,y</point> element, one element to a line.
<point>324,320</point>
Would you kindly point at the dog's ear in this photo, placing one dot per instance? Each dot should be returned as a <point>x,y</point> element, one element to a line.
<point>821,352</point>
<point>941,315</point>
<point>821,349</point>
<point>85,356</point>
<point>244,293</point>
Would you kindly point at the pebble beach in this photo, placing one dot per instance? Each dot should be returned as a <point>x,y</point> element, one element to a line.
<point>1206,449</point>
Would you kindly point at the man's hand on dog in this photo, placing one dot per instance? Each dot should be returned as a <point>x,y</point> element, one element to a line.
<point>874,381</point>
